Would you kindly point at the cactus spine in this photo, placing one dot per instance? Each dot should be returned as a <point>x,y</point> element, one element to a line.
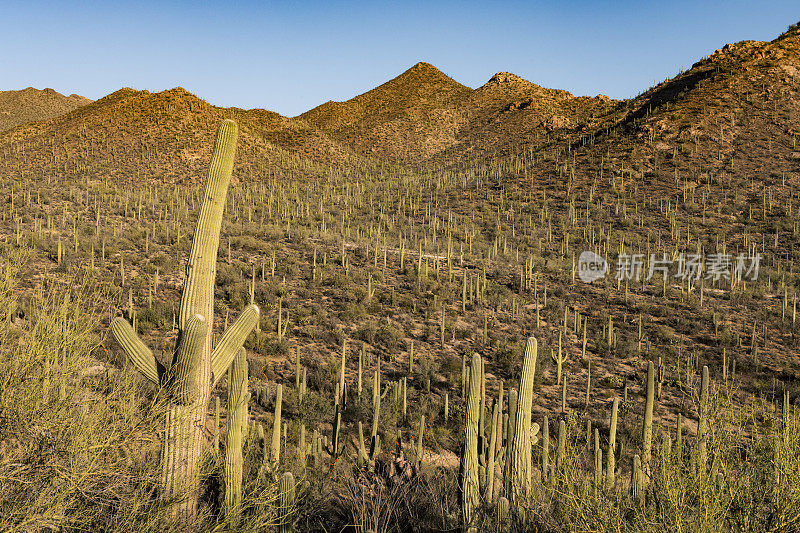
<point>196,367</point>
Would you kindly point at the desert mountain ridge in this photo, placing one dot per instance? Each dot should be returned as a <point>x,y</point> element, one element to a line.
<point>30,104</point>
<point>421,117</point>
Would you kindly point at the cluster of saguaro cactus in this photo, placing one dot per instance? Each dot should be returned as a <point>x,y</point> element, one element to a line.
<point>480,455</point>
<point>196,365</point>
<point>510,443</point>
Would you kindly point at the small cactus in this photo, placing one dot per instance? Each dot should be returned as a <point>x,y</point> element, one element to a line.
<point>287,503</point>
<point>702,425</point>
<point>502,516</point>
<point>612,441</point>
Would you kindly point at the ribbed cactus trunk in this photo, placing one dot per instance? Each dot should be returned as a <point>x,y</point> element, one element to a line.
<point>470,496</point>
<point>237,423</point>
<point>518,483</point>
<point>702,426</point>
<point>647,422</point>
<point>195,368</point>
<point>198,299</point>
<point>287,503</point>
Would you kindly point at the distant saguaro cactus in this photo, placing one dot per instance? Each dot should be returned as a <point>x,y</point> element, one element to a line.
<point>196,366</point>
<point>647,422</point>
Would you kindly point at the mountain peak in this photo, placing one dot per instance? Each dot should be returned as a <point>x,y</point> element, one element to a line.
<point>423,71</point>
<point>422,65</point>
<point>506,77</point>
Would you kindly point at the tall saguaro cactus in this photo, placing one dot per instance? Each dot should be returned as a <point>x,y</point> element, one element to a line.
<point>195,366</point>
<point>702,426</point>
<point>518,483</point>
<point>470,495</point>
<point>647,422</point>
<point>237,424</point>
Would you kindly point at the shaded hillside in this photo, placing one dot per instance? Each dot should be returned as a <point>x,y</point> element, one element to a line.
<point>28,105</point>
<point>138,134</point>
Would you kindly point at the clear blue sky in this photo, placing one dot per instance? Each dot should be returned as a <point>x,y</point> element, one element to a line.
<point>291,56</point>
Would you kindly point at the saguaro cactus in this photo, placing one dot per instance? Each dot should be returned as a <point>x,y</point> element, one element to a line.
<point>519,479</point>
<point>469,458</point>
<point>647,422</point>
<point>612,441</point>
<point>287,503</point>
<point>195,367</point>
<point>502,517</point>
<point>702,425</point>
<point>237,424</point>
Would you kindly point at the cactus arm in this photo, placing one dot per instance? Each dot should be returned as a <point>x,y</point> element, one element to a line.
<point>138,353</point>
<point>231,341</point>
<point>184,371</point>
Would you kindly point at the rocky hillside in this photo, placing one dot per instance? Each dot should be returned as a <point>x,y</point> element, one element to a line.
<point>138,134</point>
<point>423,114</point>
<point>28,105</point>
<point>410,117</point>
<point>741,99</point>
